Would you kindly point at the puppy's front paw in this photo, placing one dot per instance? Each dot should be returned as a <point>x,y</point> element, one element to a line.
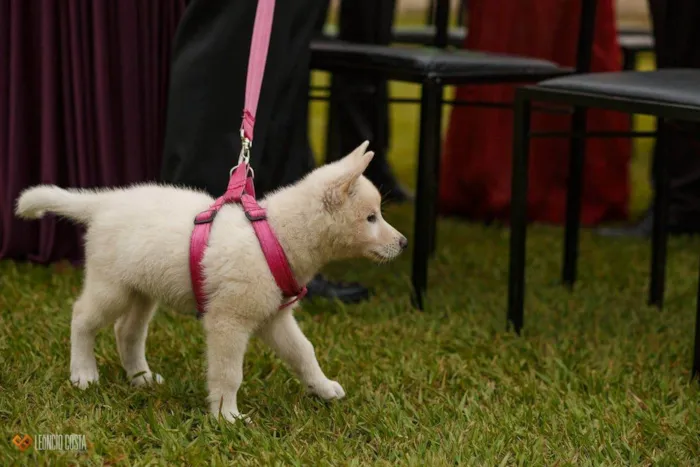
<point>146,378</point>
<point>83,377</point>
<point>327,390</point>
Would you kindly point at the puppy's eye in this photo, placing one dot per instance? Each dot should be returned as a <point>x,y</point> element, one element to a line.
<point>372,218</point>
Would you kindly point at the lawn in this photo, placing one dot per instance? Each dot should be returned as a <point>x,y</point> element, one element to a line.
<point>598,377</point>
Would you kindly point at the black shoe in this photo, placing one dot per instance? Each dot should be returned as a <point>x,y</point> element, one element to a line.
<point>640,230</point>
<point>644,228</point>
<point>320,287</point>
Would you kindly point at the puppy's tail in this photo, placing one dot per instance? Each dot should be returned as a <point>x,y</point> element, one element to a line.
<point>77,205</point>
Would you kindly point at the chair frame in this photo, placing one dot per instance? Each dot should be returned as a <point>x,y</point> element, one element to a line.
<point>581,101</point>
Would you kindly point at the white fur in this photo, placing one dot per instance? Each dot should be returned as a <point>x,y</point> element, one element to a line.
<point>137,255</point>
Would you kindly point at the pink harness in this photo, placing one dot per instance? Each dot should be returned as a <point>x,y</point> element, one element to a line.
<point>240,187</point>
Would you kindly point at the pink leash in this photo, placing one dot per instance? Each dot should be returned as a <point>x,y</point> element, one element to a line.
<point>240,187</point>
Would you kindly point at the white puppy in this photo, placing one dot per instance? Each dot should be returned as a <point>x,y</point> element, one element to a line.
<point>137,254</point>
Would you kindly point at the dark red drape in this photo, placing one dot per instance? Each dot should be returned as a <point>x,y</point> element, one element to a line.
<point>476,168</point>
<point>83,89</point>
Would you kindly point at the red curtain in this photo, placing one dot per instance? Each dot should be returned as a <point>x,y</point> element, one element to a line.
<point>476,167</point>
<point>83,88</point>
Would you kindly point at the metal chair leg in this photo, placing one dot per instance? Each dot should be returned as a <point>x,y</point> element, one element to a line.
<point>573,196</point>
<point>518,213</point>
<point>437,128</point>
<point>659,236</point>
<point>695,372</point>
<point>426,188</point>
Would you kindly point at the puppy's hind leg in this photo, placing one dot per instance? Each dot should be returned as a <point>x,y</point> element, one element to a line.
<point>100,303</point>
<point>131,330</point>
<point>283,335</point>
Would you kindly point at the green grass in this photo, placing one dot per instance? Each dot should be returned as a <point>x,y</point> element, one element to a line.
<point>598,378</point>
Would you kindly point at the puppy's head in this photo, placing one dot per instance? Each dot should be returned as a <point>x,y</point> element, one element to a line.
<point>352,204</point>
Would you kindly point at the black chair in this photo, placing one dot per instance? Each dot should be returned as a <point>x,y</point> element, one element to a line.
<point>433,68</point>
<point>671,94</point>
<point>632,41</point>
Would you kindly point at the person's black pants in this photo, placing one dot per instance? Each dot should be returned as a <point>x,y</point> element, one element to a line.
<point>207,89</point>
<point>359,109</point>
<point>677,44</point>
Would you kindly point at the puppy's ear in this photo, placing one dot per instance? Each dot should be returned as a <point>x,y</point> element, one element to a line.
<point>353,165</point>
<point>357,152</point>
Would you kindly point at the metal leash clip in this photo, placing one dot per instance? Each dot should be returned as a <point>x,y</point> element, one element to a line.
<point>244,156</point>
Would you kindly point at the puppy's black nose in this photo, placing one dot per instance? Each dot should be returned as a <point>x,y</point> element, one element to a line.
<point>403,243</point>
